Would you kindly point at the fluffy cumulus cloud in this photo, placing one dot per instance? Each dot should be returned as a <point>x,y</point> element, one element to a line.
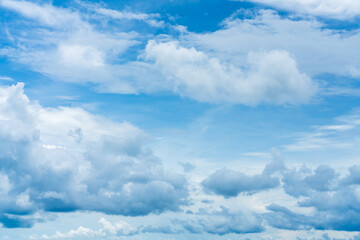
<point>66,159</point>
<point>270,77</point>
<point>327,8</point>
<point>230,183</point>
<point>333,197</point>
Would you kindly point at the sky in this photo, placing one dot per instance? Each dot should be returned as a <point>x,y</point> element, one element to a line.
<point>180,119</point>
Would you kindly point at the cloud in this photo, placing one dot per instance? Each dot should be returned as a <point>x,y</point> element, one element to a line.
<point>150,19</point>
<point>233,64</point>
<point>353,178</point>
<point>188,167</point>
<point>339,135</point>
<point>317,48</point>
<point>108,229</point>
<point>230,183</point>
<point>219,222</point>
<point>271,77</point>
<point>3,78</point>
<point>85,55</point>
<point>322,197</point>
<point>104,167</point>
<point>303,182</point>
<point>334,200</point>
<point>344,218</point>
<point>342,10</point>
<point>45,14</point>
<point>63,45</point>
<point>222,222</point>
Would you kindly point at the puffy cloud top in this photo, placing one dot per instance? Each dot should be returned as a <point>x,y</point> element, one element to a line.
<point>66,159</point>
<point>270,77</point>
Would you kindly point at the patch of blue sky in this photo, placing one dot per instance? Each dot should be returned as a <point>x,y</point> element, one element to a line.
<point>197,16</point>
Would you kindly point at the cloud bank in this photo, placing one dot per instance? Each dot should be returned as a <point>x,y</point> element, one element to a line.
<point>66,159</point>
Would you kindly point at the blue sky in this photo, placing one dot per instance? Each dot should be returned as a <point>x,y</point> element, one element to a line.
<point>182,119</point>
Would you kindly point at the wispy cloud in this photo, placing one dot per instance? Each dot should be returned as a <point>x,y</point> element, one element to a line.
<point>340,135</point>
<point>325,8</point>
<point>8,79</point>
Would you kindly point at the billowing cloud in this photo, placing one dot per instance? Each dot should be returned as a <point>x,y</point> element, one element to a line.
<point>333,198</point>
<point>230,183</point>
<point>233,64</point>
<point>303,182</point>
<point>270,77</point>
<point>83,54</point>
<point>66,159</point>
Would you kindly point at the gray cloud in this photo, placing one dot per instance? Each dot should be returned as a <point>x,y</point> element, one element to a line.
<point>230,183</point>
<point>109,170</point>
<point>335,200</point>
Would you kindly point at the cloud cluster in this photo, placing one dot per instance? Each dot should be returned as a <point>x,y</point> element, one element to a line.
<point>230,183</point>
<point>220,222</point>
<point>335,200</point>
<point>333,197</point>
<point>317,48</point>
<point>347,9</point>
<point>66,159</point>
<point>233,64</point>
<point>82,53</point>
<point>270,77</point>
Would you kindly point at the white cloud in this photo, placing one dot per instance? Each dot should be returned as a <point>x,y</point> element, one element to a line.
<point>2,78</point>
<point>119,228</point>
<point>233,64</point>
<point>78,55</point>
<point>316,48</point>
<point>68,48</point>
<point>148,18</point>
<point>270,77</point>
<point>340,9</point>
<point>81,232</point>
<point>46,14</point>
<point>66,159</point>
